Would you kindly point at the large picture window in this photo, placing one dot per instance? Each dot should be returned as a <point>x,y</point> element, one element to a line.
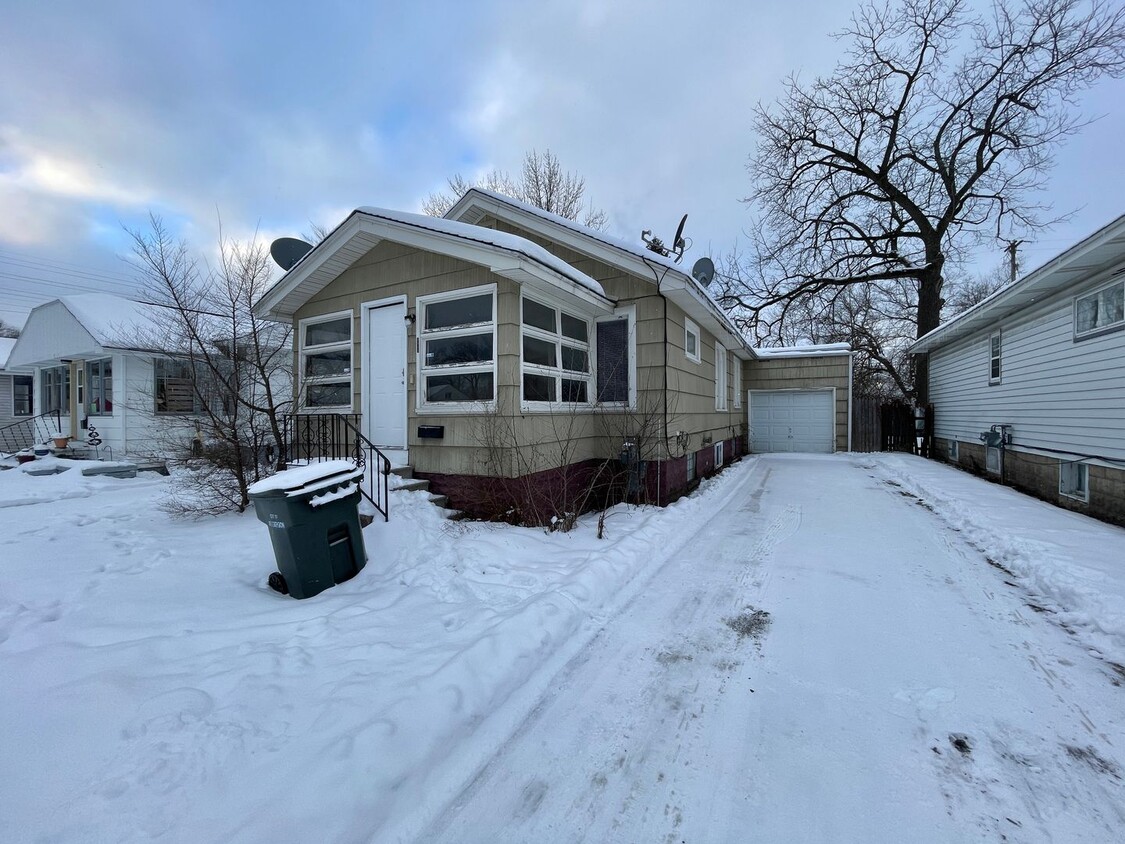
<point>556,355</point>
<point>99,387</point>
<point>457,347</point>
<point>326,361</point>
<point>1101,310</point>
<point>55,389</point>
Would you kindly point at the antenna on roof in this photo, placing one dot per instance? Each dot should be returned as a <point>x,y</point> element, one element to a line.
<point>287,251</point>
<point>655,244</point>
<point>703,271</point>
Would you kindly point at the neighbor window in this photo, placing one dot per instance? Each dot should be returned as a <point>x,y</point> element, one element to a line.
<point>718,454</point>
<point>737,372</point>
<point>457,347</point>
<point>954,451</point>
<point>99,387</point>
<point>1074,481</point>
<point>691,340</point>
<point>720,377</point>
<point>994,349</point>
<point>555,365</point>
<point>326,361</point>
<point>174,387</point>
<point>21,395</point>
<point>1100,310</point>
<point>55,387</point>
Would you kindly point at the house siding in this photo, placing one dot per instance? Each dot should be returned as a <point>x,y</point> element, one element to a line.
<point>1058,394</point>
<point>7,412</point>
<point>806,373</point>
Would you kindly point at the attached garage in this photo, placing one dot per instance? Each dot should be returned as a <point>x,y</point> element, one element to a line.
<point>793,421</point>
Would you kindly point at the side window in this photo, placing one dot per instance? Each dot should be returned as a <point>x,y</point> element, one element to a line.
<point>555,360</point>
<point>737,372</point>
<point>326,361</point>
<point>720,377</point>
<point>994,355</point>
<point>691,341</point>
<point>457,348</point>
<point>615,356</point>
<point>1101,310</point>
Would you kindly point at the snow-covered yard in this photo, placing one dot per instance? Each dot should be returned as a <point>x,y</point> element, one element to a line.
<point>849,648</point>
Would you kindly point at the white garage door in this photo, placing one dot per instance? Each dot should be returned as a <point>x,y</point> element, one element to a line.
<point>792,420</point>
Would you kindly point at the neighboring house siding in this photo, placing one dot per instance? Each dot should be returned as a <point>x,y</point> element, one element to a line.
<point>1056,393</point>
<point>811,373</point>
<point>7,416</point>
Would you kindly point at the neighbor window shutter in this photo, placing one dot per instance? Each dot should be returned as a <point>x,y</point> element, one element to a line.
<point>613,361</point>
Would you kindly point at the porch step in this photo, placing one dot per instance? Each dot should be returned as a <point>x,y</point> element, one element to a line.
<point>411,484</point>
<point>405,472</point>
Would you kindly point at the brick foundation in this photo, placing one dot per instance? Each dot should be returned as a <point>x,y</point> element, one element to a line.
<point>1038,475</point>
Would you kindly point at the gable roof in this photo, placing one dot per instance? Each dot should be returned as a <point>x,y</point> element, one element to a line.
<point>1098,253</point>
<point>506,255</point>
<point>6,345</point>
<point>671,278</point>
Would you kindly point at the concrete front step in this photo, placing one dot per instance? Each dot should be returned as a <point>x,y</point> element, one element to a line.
<point>412,484</point>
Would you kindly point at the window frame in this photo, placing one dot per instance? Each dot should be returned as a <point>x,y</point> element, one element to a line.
<point>736,374</point>
<point>197,404</point>
<point>1097,331</point>
<point>59,388</point>
<point>995,357</point>
<point>720,453</point>
<point>100,394</point>
<point>692,330</point>
<point>721,369</point>
<point>628,313</point>
<point>29,382</point>
<point>559,340</point>
<point>304,351</point>
<point>422,404</point>
<point>1069,487</point>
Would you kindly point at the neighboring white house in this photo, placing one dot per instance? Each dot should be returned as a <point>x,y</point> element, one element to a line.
<point>1043,362</point>
<point>98,360</point>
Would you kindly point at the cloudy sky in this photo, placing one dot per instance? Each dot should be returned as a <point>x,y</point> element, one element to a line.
<point>271,115</point>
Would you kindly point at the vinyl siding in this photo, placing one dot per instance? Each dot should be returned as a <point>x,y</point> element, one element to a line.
<point>1056,393</point>
<point>7,416</point>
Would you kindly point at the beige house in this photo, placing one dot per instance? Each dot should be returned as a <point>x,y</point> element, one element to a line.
<point>505,345</point>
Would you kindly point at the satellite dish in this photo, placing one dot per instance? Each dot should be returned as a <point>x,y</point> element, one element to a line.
<point>703,271</point>
<point>678,244</point>
<point>287,251</point>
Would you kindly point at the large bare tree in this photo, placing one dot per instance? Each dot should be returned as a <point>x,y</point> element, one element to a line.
<point>541,182</point>
<point>933,135</point>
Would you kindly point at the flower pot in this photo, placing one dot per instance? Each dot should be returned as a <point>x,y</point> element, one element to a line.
<point>60,442</point>
<point>25,458</point>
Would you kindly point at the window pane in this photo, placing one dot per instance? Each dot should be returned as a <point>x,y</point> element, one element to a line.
<point>329,363</point>
<point>538,352</point>
<point>21,387</point>
<point>457,312</point>
<point>1111,303</point>
<point>539,316</point>
<point>613,361</point>
<point>575,360</point>
<point>538,388</point>
<point>1087,313</point>
<point>691,344</point>
<point>473,348</point>
<point>574,328</point>
<point>328,395</point>
<point>475,386</point>
<point>333,331</point>
<point>574,391</point>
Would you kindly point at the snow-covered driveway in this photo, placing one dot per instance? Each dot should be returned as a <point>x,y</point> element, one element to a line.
<point>826,660</point>
<point>848,648</point>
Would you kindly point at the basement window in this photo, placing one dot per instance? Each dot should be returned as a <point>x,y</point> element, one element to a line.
<point>993,460</point>
<point>954,451</point>
<point>1074,481</point>
<point>718,455</point>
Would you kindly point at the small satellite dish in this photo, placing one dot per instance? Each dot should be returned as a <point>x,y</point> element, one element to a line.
<point>703,271</point>
<point>287,251</point>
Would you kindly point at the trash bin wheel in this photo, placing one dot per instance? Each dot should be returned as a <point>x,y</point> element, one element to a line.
<point>277,583</point>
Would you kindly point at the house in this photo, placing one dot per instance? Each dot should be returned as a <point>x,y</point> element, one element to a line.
<point>504,343</point>
<point>15,388</point>
<point>104,363</point>
<point>1028,386</point>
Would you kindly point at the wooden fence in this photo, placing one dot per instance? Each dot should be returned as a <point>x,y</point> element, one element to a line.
<point>879,425</point>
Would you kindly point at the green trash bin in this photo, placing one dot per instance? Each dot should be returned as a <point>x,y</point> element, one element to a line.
<point>313,516</point>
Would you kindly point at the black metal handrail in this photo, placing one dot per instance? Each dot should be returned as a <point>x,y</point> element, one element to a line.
<point>30,431</point>
<point>310,437</point>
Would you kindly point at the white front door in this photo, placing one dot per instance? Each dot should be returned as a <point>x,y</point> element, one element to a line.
<point>385,414</point>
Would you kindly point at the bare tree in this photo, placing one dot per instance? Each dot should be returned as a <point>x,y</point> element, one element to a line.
<point>8,331</point>
<point>965,293</point>
<point>542,182</point>
<point>236,365</point>
<point>934,133</point>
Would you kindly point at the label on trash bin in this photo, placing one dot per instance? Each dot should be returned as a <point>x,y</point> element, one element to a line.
<point>275,521</point>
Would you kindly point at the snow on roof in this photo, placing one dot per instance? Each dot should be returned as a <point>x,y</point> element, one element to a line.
<point>487,237</point>
<point>617,243</point>
<point>809,351</point>
<point>118,322</point>
<point>6,345</point>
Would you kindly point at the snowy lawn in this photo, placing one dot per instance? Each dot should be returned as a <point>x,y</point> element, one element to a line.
<point>155,688</point>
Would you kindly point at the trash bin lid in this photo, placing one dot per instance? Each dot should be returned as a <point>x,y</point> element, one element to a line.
<point>300,478</point>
